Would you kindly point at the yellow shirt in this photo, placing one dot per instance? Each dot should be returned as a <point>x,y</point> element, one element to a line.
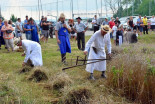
<point>145,21</point>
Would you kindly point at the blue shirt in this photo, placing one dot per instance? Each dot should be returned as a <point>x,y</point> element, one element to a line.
<point>138,20</point>
<point>1,33</point>
<point>106,23</point>
<point>25,22</point>
<point>27,26</point>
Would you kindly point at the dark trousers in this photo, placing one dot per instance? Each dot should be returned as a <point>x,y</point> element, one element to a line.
<point>81,37</point>
<point>145,29</point>
<point>63,57</point>
<point>96,28</point>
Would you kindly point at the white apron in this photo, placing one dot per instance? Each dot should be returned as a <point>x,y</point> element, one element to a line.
<point>99,42</point>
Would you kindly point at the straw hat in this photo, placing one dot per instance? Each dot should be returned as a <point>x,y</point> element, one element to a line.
<point>62,15</point>
<point>105,28</point>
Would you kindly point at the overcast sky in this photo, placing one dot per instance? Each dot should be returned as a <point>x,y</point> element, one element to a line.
<point>49,7</point>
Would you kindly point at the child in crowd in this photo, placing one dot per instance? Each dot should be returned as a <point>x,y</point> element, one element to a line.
<point>119,36</point>
<point>134,37</point>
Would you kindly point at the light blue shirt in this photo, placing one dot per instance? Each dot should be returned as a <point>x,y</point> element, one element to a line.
<point>59,25</point>
<point>25,21</point>
<point>80,27</point>
<point>138,20</point>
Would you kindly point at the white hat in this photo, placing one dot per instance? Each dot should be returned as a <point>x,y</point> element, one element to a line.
<point>17,41</point>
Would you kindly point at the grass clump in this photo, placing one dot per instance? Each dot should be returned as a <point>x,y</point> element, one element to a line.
<point>59,81</point>
<point>38,75</point>
<point>77,95</point>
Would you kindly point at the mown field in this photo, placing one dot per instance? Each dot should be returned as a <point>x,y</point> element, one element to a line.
<point>131,77</point>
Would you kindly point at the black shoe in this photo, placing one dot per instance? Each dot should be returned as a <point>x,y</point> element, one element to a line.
<point>103,75</point>
<point>91,77</point>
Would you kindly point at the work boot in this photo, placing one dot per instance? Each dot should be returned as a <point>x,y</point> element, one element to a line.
<point>91,77</point>
<point>103,75</point>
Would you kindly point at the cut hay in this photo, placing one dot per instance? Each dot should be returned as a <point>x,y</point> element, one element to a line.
<point>26,69</point>
<point>38,75</point>
<point>59,81</point>
<point>77,95</point>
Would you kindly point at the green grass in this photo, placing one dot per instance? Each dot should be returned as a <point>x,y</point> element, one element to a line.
<point>19,89</point>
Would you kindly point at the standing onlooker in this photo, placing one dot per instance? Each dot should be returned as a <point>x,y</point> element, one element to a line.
<point>130,23</point>
<point>140,24</point>
<point>1,34</point>
<point>73,34</point>
<point>117,21</point>
<point>19,29</point>
<point>94,22</point>
<point>62,35</point>
<point>8,36</point>
<point>152,20</point>
<point>34,32</point>
<point>10,23</point>
<point>106,22</point>
<point>27,29</point>
<point>26,20</point>
<point>41,35</point>
<point>45,31</point>
<point>114,30</point>
<point>80,29</point>
<point>111,24</point>
<point>145,28</point>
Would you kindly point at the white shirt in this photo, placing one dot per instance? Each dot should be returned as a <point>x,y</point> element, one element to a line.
<point>99,42</point>
<point>152,21</point>
<point>20,26</point>
<point>115,30</point>
<point>95,22</point>
<point>33,52</point>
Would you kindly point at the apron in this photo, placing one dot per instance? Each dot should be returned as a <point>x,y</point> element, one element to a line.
<point>63,36</point>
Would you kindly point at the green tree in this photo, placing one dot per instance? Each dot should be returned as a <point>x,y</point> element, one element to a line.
<point>13,18</point>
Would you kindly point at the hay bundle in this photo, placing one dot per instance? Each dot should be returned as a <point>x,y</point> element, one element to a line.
<point>26,69</point>
<point>59,81</point>
<point>78,95</point>
<point>38,75</point>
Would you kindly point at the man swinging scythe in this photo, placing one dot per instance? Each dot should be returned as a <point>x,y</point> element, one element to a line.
<point>97,44</point>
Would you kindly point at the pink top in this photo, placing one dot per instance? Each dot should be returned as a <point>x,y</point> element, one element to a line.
<point>5,35</point>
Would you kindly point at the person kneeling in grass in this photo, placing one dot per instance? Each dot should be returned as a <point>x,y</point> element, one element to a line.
<point>33,53</point>
<point>97,50</point>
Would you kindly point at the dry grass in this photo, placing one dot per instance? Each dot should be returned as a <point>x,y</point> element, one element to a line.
<point>25,69</point>
<point>59,81</point>
<point>132,75</point>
